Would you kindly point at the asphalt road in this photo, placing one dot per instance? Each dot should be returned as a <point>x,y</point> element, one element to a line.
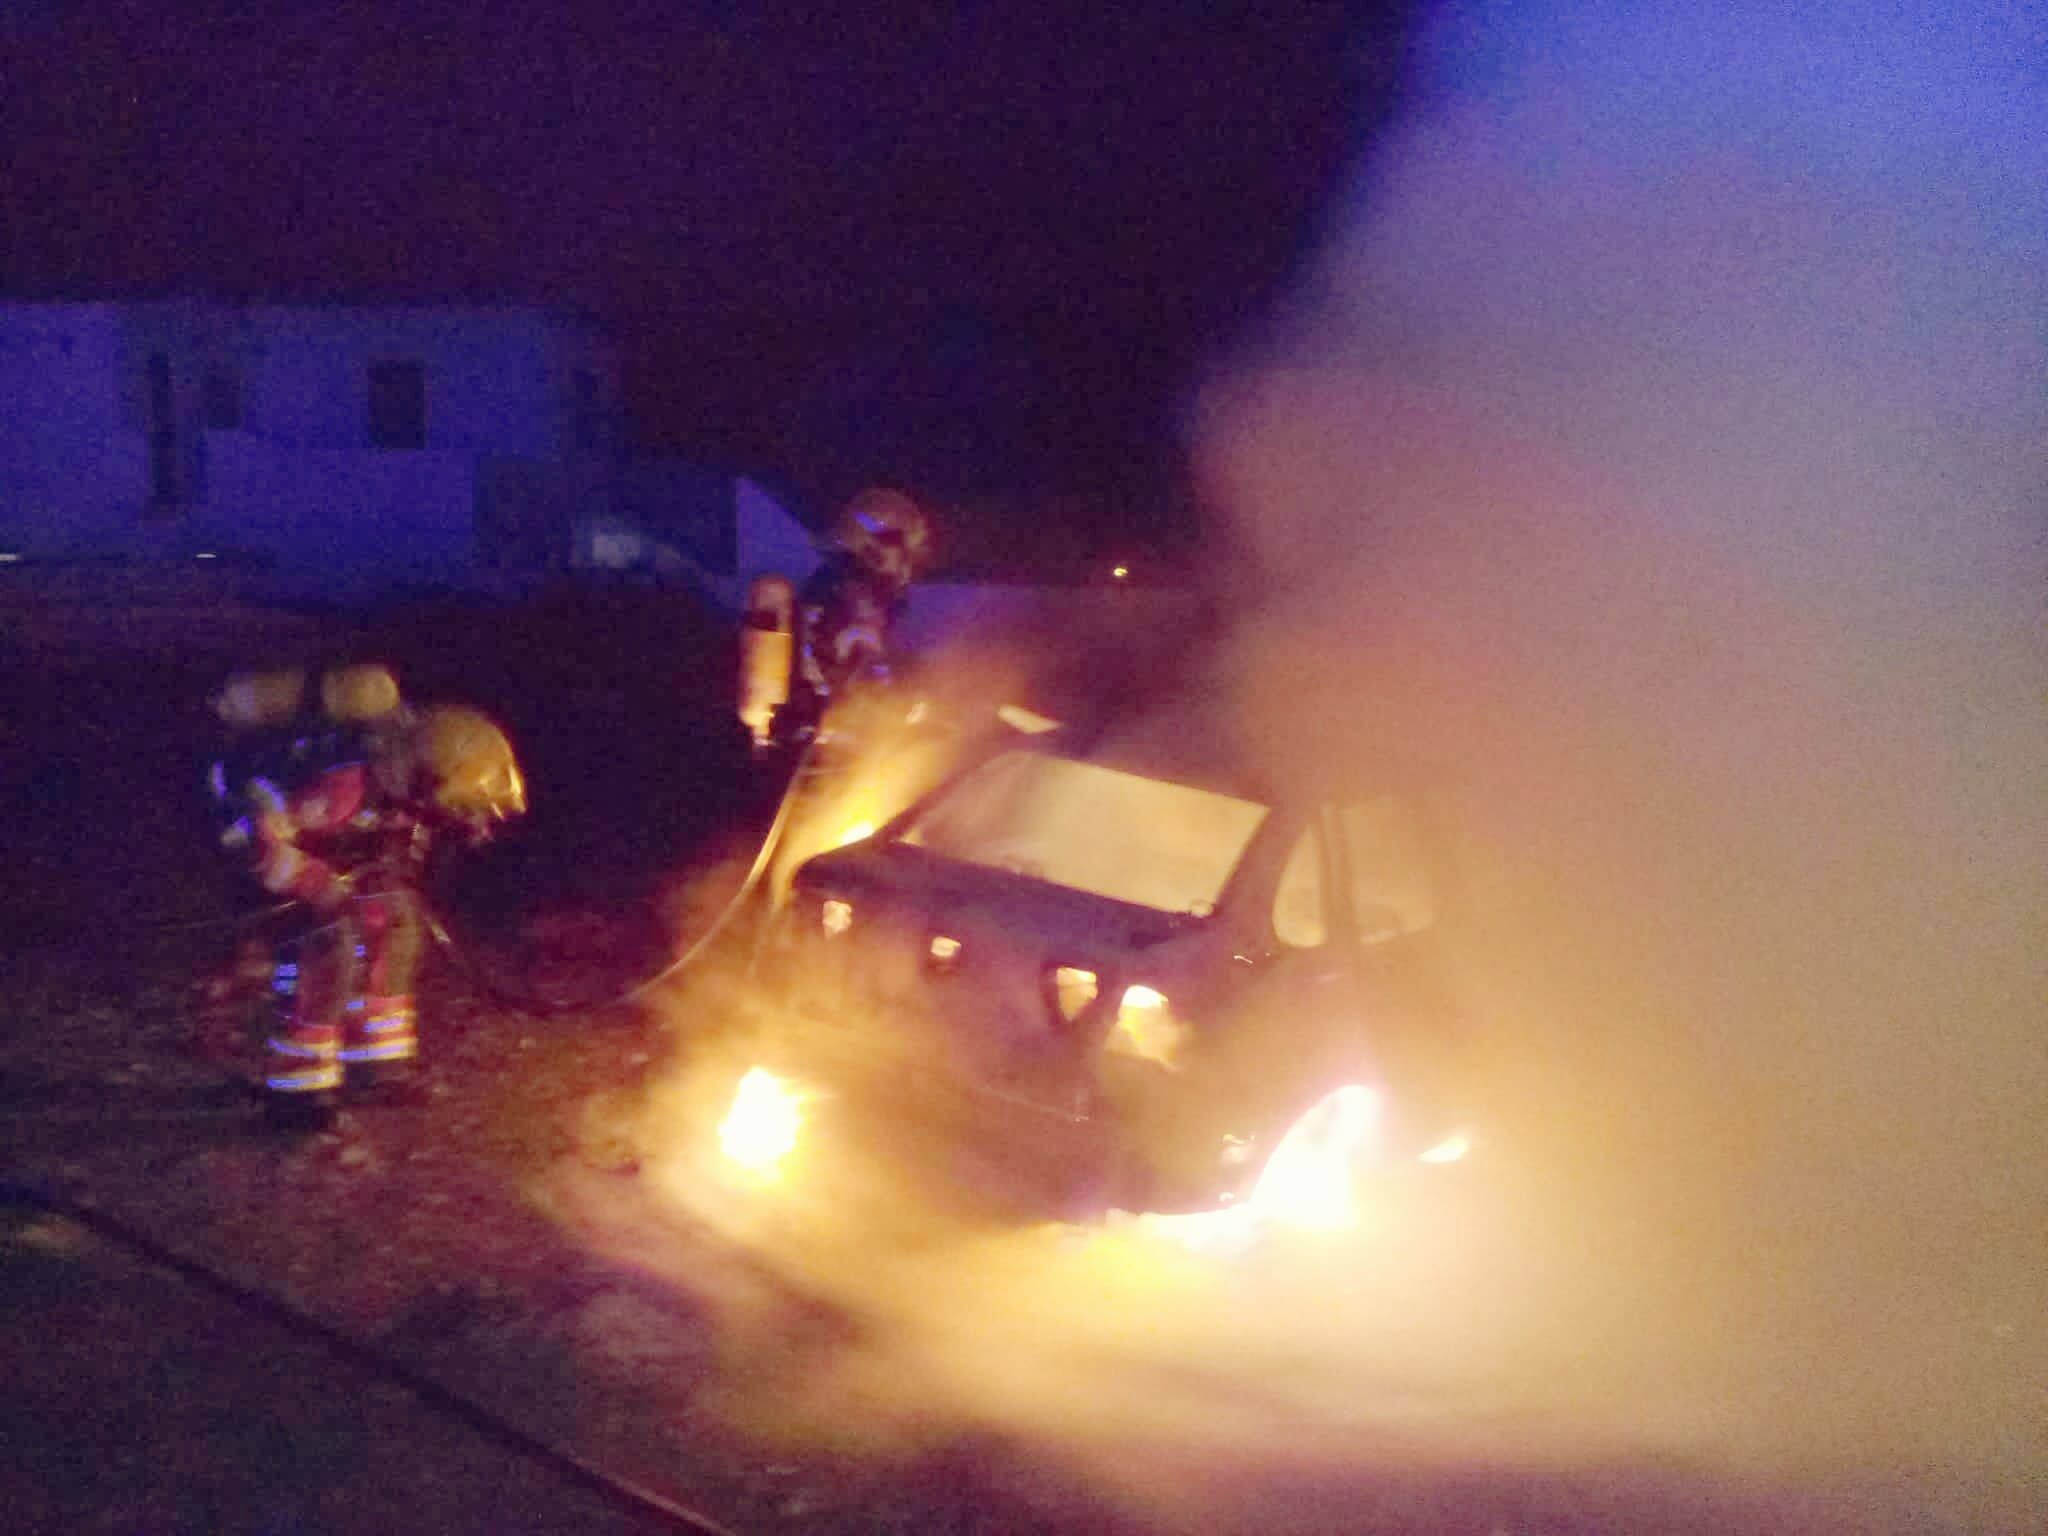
<point>141,1404</point>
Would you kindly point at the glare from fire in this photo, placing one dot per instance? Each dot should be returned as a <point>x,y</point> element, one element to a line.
<point>1315,1181</point>
<point>762,1126</point>
<point>866,778</point>
<point>1074,988</point>
<point>1452,1149</point>
<point>1026,721</point>
<point>1311,1180</point>
<point>1146,1027</point>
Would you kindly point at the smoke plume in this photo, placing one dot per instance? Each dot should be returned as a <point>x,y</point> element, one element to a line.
<point>1656,453</point>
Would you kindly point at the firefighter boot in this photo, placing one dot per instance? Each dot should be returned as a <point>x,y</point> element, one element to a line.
<point>303,1076</point>
<point>381,1051</point>
<point>302,1056</point>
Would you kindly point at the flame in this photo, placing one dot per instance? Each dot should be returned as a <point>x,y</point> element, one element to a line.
<point>1074,988</point>
<point>1146,1028</point>
<point>1310,1182</point>
<point>761,1128</point>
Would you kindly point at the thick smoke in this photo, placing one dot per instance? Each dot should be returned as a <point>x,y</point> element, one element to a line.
<point>1659,452</point>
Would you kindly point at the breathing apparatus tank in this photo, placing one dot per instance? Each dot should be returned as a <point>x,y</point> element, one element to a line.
<point>767,655</point>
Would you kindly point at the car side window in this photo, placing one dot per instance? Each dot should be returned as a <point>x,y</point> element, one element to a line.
<point>1386,858</point>
<point>1298,903</point>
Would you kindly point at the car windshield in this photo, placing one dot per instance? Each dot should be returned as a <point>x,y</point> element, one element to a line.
<point>1150,842</point>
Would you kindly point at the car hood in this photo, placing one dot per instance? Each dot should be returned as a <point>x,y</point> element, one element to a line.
<point>912,885</point>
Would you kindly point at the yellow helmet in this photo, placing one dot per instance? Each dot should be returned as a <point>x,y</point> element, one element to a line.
<point>358,695</point>
<point>888,533</point>
<point>469,767</point>
<point>260,698</point>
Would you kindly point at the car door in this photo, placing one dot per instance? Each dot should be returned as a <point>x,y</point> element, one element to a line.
<point>1388,890</point>
<point>1271,1028</point>
<point>1294,1025</point>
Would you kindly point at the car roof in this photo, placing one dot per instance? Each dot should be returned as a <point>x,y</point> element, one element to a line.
<point>1202,746</point>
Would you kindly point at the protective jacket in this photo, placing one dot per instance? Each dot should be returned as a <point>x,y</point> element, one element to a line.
<point>848,612</point>
<point>338,826</point>
<point>322,820</point>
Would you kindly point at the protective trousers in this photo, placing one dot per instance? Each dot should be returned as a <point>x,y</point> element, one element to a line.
<point>345,998</point>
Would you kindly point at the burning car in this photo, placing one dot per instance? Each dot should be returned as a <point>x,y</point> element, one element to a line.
<point>1107,970</point>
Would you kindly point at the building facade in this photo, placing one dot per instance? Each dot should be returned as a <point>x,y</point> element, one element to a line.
<point>343,450</point>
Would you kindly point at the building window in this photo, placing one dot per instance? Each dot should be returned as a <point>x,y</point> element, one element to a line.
<point>223,392</point>
<point>398,405</point>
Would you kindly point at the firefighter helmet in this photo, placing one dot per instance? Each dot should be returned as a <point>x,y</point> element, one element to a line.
<point>359,695</point>
<point>260,698</point>
<point>887,533</point>
<point>468,766</point>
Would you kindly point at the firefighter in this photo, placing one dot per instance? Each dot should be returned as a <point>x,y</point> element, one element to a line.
<point>324,824</point>
<point>848,610</point>
<point>348,842</point>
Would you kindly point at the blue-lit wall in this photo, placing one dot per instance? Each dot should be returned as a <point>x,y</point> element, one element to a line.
<point>72,468</point>
<point>296,482</point>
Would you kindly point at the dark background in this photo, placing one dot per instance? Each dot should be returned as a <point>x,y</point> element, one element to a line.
<point>978,245</point>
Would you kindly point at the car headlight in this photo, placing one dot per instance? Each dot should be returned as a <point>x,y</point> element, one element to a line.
<point>1146,1028</point>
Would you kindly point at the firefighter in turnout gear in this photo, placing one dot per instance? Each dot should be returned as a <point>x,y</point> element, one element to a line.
<point>343,834</point>
<point>848,609</point>
<point>333,809</point>
<point>322,822</point>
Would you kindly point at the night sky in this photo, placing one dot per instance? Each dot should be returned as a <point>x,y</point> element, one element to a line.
<point>1040,213</point>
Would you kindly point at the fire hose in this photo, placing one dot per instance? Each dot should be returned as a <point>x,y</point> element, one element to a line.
<point>806,765</point>
<point>527,1001</point>
<point>531,1003</point>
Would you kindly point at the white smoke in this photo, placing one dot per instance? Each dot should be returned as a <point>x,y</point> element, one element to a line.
<point>1659,450</point>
